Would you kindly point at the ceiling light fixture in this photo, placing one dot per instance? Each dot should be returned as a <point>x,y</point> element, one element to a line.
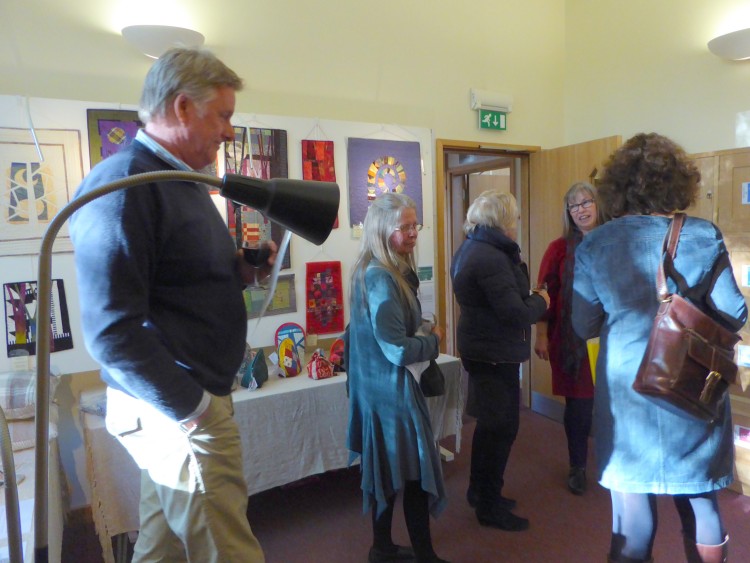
<point>154,40</point>
<point>734,46</point>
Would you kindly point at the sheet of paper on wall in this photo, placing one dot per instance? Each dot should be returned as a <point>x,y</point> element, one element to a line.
<point>427,297</point>
<point>745,193</point>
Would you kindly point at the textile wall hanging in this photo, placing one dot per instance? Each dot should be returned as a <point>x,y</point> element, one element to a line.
<point>259,153</point>
<point>20,313</point>
<point>325,304</point>
<point>317,163</point>
<point>110,130</point>
<point>377,166</point>
<point>36,186</point>
<point>284,298</point>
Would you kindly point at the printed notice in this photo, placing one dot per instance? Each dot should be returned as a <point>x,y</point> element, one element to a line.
<point>745,193</point>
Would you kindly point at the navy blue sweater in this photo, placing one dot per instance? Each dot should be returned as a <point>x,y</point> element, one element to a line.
<point>492,288</point>
<point>161,297</point>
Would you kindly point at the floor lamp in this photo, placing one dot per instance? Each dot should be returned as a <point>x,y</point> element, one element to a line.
<point>307,208</point>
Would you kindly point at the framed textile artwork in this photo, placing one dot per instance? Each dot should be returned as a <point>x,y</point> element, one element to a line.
<point>20,312</point>
<point>257,153</point>
<point>284,298</point>
<point>325,304</point>
<point>268,154</point>
<point>110,130</point>
<point>36,187</point>
<point>236,154</point>
<point>377,166</point>
<point>317,163</point>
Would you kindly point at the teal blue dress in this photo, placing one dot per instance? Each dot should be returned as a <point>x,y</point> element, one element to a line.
<point>389,424</point>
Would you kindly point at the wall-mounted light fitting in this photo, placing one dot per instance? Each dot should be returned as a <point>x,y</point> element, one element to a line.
<point>734,46</point>
<point>482,99</point>
<point>154,40</point>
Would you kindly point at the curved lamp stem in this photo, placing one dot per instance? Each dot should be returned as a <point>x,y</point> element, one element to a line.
<point>44,336</point>
<point>307,208</point>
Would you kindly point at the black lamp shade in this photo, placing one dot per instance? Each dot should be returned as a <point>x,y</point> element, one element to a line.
<point>307,208</point>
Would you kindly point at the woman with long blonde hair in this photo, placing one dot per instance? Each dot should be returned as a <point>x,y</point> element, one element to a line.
<point>389,424</point>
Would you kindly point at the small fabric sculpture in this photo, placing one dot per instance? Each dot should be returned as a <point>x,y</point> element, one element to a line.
<point>289,360</point>
<point>337,355</point>
<point>319,367</point>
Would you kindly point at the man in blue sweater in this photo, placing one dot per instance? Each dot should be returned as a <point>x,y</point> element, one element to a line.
<point>160,285</point>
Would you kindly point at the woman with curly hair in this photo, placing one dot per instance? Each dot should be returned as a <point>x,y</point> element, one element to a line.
<point>643,449</point>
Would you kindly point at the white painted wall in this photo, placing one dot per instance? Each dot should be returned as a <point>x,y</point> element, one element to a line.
<point>642,66</point>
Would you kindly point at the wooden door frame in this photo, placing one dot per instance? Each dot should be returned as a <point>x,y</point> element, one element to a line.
<point>442,282</point>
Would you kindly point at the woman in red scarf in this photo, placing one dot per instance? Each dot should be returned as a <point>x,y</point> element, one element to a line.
<point>555,340</point>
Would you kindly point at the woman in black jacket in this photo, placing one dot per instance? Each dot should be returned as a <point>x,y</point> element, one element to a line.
<point>491,284</point>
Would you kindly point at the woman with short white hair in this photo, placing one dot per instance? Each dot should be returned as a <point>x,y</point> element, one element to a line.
<point>491,284</point>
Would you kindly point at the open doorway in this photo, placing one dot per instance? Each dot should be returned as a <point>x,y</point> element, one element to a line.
<point>464,170</point>
<point>552,171</point>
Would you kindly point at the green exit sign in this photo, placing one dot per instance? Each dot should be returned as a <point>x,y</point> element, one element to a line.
<point>491,119</point>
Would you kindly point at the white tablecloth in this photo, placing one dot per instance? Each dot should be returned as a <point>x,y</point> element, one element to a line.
<point>291,428</point>
<point>24,461</point>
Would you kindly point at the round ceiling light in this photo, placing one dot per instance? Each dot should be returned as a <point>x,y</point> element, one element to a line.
<point>734,45</point>
<point>154,40</point>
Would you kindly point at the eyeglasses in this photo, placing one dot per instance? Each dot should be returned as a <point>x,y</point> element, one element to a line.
<point>576,207</point>
<point>409,228</point>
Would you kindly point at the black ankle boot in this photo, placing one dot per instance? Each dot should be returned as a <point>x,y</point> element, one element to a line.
<point>577,480</point>
<point>497,516</point>
<point>472,497</point>
<point>394,553</point>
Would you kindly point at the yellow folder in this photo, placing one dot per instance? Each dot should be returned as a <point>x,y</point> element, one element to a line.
<point>592,345</point>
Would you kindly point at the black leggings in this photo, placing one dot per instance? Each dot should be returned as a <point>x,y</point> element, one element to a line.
<point>417,516</point>
<point>634,522</point>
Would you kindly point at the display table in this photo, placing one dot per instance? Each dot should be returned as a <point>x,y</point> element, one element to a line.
<point>291,429</point>
<point>24,463</point>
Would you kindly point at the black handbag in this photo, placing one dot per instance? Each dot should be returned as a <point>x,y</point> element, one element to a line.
<point>689,360</point>
<point>432,382</point>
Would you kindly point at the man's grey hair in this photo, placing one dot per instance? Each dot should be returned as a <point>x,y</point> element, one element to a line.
<point>193,72</point>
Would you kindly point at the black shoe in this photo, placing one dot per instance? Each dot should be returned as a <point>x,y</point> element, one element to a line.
<point>577,480</point>
<point>502,518</point>
<point>472,497</point>
<point>395,553</point>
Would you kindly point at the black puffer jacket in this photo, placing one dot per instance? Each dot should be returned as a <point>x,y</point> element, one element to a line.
<point>492,287</point>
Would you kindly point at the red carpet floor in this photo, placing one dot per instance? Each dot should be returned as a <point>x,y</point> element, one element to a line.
<point>320,520</point>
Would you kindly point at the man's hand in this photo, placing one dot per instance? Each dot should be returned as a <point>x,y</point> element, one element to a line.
<point>250,272</point>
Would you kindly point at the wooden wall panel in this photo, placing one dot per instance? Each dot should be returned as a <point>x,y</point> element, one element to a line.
<point>552,173</point>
